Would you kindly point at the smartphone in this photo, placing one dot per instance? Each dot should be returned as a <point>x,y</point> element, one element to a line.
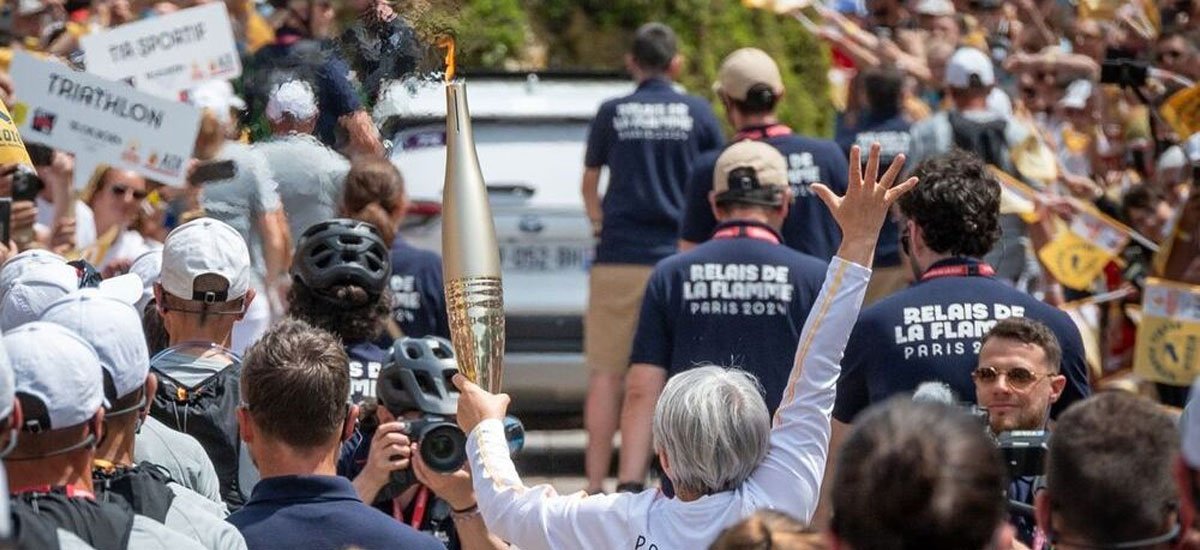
<point>26,184</point>
<point>5,219</point>
<point>213,170</point>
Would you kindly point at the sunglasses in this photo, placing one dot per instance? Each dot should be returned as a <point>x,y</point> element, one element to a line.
<point>1018,377</point>
<point>119,190</point>
<point>1170,55</point>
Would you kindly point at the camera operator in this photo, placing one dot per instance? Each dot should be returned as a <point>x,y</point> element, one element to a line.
<point>1017,380</point>
<point>393,475</point>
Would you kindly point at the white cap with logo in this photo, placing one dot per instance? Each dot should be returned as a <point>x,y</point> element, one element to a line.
<point>115,332</point>
<point>58,375</point>
<point>210,249</point>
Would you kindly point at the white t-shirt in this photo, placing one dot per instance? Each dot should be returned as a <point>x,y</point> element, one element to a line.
<point>85,221</point>
<point>788,479</point>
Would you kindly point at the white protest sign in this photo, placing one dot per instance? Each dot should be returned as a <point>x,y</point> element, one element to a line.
<point>101,120</point>
<point>171,53</point>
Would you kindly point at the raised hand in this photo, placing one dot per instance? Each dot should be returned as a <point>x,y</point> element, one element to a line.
<point>861,211</point>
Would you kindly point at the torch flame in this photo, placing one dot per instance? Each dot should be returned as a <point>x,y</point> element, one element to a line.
<point>447,42</point>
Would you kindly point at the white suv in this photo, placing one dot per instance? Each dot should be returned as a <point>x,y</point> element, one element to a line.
<point>530,134</point>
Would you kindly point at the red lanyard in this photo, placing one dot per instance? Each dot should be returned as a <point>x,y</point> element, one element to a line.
<point>70,490</point>
<point>761,133</point>
<point>752,231</point>
<point>418,515</point>
<point>961,270</point>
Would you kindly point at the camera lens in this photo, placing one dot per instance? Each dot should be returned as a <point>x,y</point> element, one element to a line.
<point>444,447</point>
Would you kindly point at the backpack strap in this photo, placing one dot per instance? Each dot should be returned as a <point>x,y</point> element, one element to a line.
<point>143,490</point>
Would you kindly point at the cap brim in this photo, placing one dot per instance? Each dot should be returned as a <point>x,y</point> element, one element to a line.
<point>126,288</point>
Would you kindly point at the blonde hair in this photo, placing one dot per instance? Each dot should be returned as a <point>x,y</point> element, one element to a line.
<point>211,136</point>
<point>769,529</point>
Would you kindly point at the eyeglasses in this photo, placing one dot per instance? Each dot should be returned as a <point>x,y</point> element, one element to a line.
<point>119,190</point>
<point>1019,378</point>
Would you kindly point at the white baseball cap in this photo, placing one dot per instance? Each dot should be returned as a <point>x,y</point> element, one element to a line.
<point>33,290</point>
<point>969,67</point>
<point>17,265</point>
<point>115,332</point>
<point>58,375</point>
<point>294,97</point>
<point>935,8</point>
<point>7,383</point>
<point>205,247</point>
<point>1077,95</point>
<point>147,267</point>
<point>1189,426</point>
<point>217,96</point>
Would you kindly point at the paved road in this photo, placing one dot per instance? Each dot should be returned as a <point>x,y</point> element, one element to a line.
<point>556,457</point>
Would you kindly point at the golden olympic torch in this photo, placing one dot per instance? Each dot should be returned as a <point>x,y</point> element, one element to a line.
<point>470,256</point>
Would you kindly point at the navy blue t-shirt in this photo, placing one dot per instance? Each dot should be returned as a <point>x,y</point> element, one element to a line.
<point>932,331</point>
<point>418,295</point>
<point>649,140</point>
<point>894,139</point>
<point>809,227</point>
<point>737,301</point>
<point>320,513</point>
<point>366,360</point>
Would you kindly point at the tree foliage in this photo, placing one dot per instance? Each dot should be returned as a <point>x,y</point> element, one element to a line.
<point>594,35</point>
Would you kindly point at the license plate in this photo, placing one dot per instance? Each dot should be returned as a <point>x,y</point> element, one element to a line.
<point>543,257</point>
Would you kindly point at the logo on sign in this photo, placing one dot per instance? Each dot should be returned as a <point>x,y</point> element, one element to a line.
<point>43,121</point>
<point>130,154</point>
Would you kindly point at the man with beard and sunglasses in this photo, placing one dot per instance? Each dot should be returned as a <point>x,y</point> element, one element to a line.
<point>1016,382</point>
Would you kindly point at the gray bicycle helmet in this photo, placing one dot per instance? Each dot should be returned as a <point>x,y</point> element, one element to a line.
<point>417,377</point>
<point>342,252</point>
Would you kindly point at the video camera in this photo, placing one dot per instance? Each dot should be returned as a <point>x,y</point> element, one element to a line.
<point>1024,452</point>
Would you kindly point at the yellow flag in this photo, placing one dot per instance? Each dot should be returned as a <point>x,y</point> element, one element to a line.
<point>1182,111</point>
<point>1168,338</point>
<point>1015,196</point>
<point>12,148</point>
<point>1079,252</point>
<point>1098,9</point>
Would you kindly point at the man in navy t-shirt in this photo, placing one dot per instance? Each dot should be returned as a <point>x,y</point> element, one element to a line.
<point>739,299</point>
<point>418,298</point>
<point>933,330</point>
<point>882,123</point>
<point>648,140</point>
<point>749,85</point>
<point>293,419</point>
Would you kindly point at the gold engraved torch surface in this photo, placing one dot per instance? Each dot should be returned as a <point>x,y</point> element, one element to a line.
<point>470,255</point>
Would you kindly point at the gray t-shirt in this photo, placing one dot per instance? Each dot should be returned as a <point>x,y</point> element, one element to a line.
<point>1012,257</point>
<point>148,534</point>
<point>310,177</point>
<point>202,520</point>
<point>242,200</point>
<point>181,455</point>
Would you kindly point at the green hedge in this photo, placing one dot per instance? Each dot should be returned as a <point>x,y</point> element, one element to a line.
<point>594,34</point>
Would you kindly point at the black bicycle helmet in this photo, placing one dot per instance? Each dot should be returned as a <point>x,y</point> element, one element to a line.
<point>417,377</point>
<point>342,252</point>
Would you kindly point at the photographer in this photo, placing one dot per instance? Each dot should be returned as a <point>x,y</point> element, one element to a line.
<point>391,472</point>
<point>1016,382</point>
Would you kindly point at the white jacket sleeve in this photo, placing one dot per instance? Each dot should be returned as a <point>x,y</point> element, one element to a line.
<point>789,478</point>
<point>535,518</point>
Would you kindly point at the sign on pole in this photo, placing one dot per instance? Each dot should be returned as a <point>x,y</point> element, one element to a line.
<point>102,121</point>
<point>170,54</point>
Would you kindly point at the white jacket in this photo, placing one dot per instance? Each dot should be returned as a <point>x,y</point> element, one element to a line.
<point>788,479</point>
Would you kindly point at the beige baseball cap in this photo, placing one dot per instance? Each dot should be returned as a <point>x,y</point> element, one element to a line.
<point>750,172</point>
<point>745,68</point>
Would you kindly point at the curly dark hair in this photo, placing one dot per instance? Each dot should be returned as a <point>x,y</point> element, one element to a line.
<point>956,205</point>
<point>354,318</point>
